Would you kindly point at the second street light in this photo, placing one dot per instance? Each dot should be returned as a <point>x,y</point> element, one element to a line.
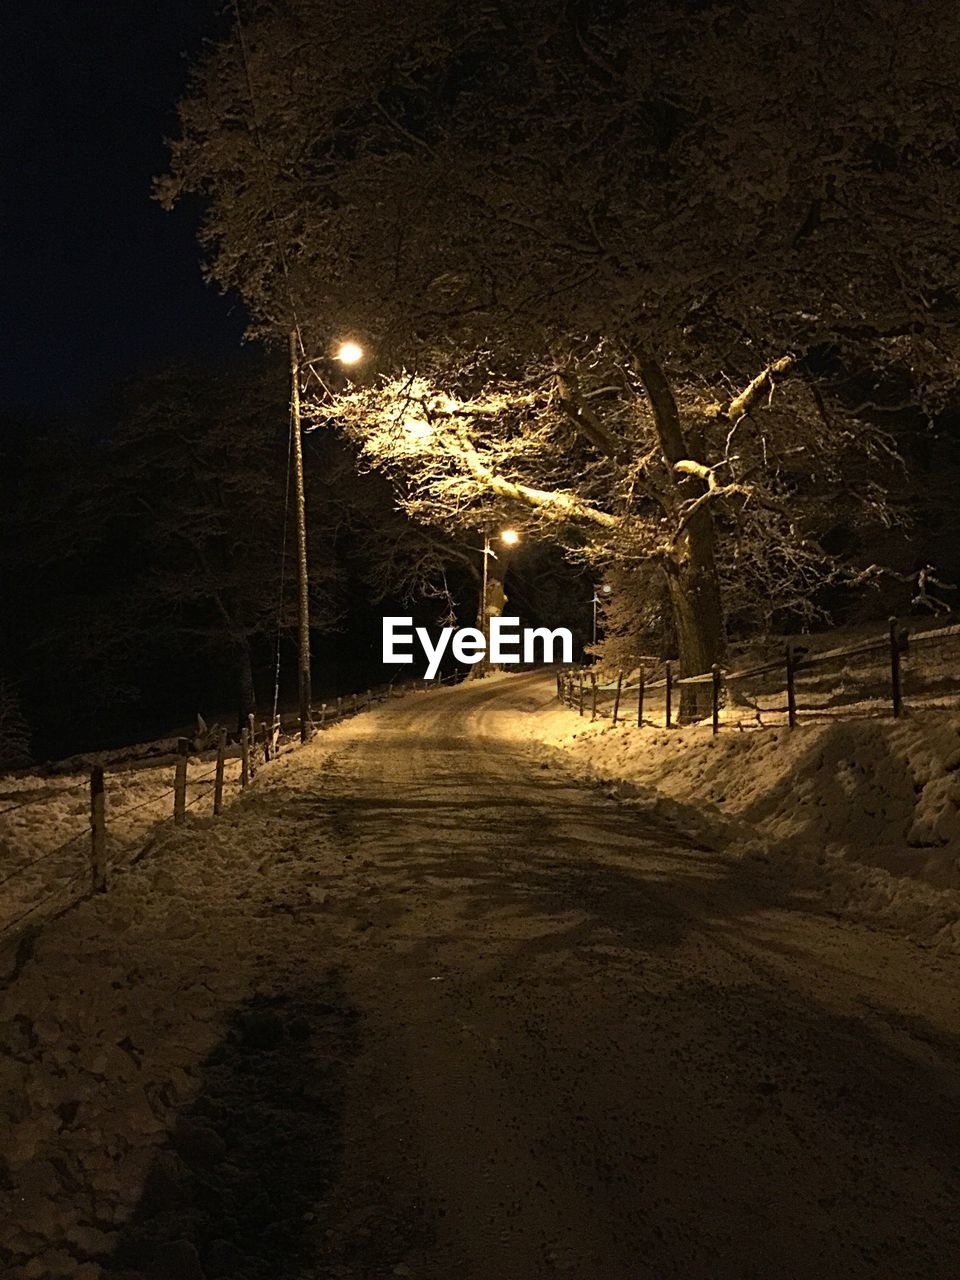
<point>509,538</point>
<point>597,600</point>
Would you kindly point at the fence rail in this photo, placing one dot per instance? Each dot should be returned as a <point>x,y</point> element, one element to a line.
<point>879,675</point>
<point>86,866</point>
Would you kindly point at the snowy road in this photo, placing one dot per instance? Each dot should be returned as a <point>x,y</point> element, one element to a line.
<point>489,1023</point>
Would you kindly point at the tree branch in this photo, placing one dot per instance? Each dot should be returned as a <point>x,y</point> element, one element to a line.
<point>559,505</point>
<point>584,418</point>
<point>754,389</point>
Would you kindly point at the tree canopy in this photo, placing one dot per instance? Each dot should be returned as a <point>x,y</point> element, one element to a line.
<point>654,274</point>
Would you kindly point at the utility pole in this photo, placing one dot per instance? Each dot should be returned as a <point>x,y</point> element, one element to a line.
<point>480,668</point>
<point>303,581</point>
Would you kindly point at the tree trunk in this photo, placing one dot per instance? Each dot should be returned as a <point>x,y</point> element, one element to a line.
<point>697,615</point>
<point>692,580</point>
<point>246,691</point>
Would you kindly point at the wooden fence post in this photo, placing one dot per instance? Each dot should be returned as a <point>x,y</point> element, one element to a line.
<point>616,696</point>
<point>244,757</point>
<point>323,714</point>
<point>791,687</point>
<point>593,708</point>
<point>339,706</point>
<point>581,690</point>
<point>559,698</point>
<point>218,779</point>
<point>252,744</point>
<point>265,740</point>
<point>716,697</point>
<point>895,676</point>
<point>369,699</point>
<point>669,692</point>
<point>180,782</point>
<point>98,830</point>
<point>640,683</point>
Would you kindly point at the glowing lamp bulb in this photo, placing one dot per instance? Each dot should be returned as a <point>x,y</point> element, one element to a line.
<point>349,353</point>
<point>510,537</point>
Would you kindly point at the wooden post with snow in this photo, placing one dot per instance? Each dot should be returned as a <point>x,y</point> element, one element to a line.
<point>593,700</point>
<point>252,744</point>
<point>98,830</point>
<point>244,757</point>
<point>265,741</point>
<point>640,682</point>
<point>616,696</point>
<point>581,691</point>
<point>218,779</point>
<point>669,694</point>
<point>339,706</point>
<point>716,697</point>
<point>180,782</point>
<point>896,645</point>
<point>791,686</point>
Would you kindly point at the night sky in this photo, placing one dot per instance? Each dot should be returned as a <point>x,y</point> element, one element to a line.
<point>98,281</point>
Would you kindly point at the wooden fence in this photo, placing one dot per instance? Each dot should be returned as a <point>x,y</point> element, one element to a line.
<point>255,747</point>
<point>879,675</point>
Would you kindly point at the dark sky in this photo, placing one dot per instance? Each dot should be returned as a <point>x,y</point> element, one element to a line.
<point>97,281</point>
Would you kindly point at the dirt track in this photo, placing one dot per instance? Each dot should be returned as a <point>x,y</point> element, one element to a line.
<point>533,1035</point>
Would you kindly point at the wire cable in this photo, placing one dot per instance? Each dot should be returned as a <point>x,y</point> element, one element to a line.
<point>35,862</point>
<point>45,799</point>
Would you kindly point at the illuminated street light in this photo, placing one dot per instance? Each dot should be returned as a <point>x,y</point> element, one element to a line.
<point>509,538</point>
<point>349,353</point>
<point>606,589</point>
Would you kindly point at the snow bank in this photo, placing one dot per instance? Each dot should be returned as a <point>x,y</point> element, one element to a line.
<point>103,1033</point>
<point>45,827</point>
<point>873,803</point>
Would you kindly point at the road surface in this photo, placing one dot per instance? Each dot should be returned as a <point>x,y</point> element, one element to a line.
<point>552,1038</point>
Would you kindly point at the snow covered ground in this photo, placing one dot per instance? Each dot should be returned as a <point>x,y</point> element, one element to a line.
<point>871,804</point>
<point>45,827</point>
<point>421,1004</point>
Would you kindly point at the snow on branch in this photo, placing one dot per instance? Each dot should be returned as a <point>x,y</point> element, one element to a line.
<point>748,397</point>
<point>558,503</point>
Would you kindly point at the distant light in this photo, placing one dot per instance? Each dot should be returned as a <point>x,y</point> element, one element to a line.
<point>510,537</point>
<point>606,589</point>
<point>349,353</point>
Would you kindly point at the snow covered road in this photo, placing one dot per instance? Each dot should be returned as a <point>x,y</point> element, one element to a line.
<point>423,1004</point>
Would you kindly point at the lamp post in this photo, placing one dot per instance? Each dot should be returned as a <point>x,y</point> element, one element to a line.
<point>596,601</point>
<point>303,580</point>
<point>510,538</point>
<point>348,353</point>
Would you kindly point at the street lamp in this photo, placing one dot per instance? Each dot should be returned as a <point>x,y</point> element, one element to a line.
<point>510,538</point>
<point>606,589</point>
<point>349,353</point>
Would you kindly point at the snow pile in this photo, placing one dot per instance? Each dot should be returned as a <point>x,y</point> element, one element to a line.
<point>875,803</point>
